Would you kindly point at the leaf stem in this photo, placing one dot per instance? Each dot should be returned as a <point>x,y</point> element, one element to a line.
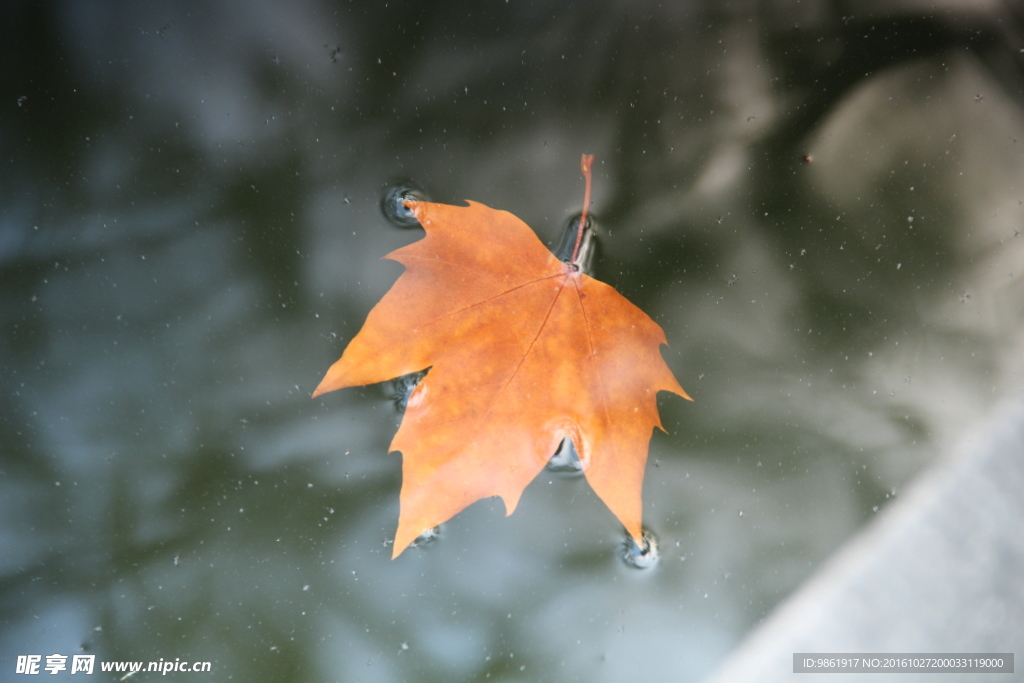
<point>585,163</point>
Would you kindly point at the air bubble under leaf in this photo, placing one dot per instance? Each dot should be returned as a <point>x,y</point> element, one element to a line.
<point>588,244</point>
<point>644,555</point>
<point>566,460</point>
<point>428,537</point>
<point>400,388</point>
<point>393,204</point>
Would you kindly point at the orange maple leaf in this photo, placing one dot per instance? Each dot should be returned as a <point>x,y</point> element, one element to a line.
<point>523,351</point>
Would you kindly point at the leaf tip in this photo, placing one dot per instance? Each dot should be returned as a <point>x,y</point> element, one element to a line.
<point>327,384</point>
<point>403,539</point>
<point>510,501</point>
<point>636,532</point>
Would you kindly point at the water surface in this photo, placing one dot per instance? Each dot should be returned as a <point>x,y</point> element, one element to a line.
<point>821,211</point>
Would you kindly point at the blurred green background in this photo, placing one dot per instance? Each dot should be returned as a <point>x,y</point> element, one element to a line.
<point>819,201</point>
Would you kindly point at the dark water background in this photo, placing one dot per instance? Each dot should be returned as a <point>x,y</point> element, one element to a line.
<point>819,201</point>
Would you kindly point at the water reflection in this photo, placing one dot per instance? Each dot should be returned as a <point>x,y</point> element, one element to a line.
<point>566,460</point>
<point>392,204</point>
<point>191,232</point>
<point>643,555</point>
